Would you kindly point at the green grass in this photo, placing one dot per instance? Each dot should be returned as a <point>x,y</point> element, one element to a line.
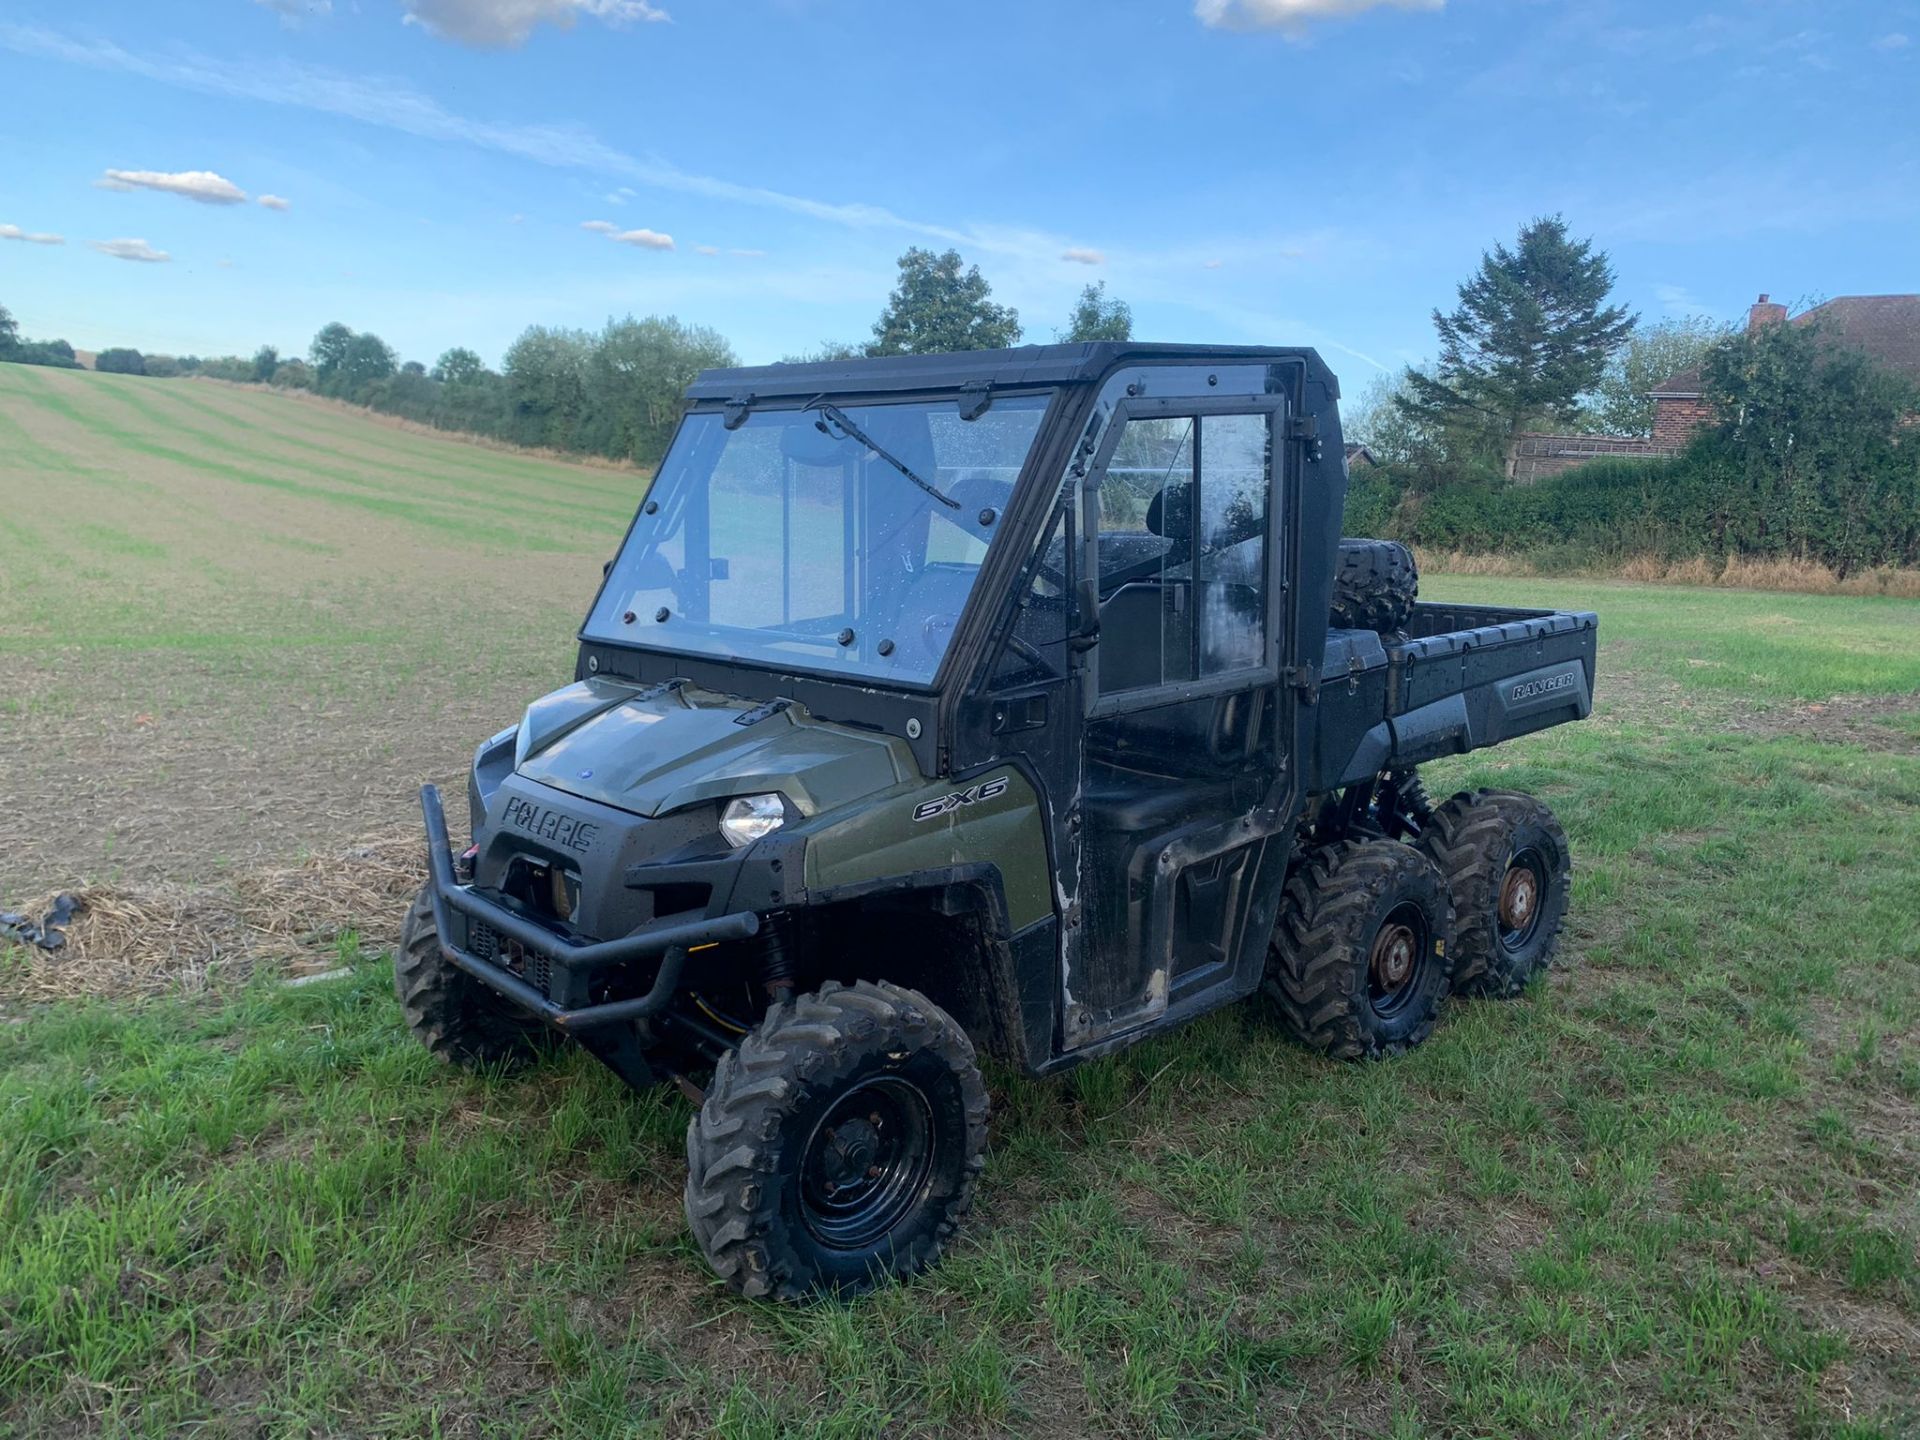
<point>1670,1191</point>
<point>1673,1185</point>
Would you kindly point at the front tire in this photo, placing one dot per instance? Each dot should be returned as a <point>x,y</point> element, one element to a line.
<point>451,1013</point>
<point>838,1146</point>
<point>1359,962</point>
<point>1507,863</point>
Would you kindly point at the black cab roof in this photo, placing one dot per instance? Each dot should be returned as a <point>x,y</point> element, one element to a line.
<point>1027,365</point>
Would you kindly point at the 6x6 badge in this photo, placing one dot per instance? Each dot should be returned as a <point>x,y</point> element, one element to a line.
<point>973,794</point>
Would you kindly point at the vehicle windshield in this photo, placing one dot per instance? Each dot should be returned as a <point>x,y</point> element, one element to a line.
<point>798,539</point>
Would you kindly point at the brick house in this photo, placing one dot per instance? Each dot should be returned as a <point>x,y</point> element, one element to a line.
<point>1884,327</point>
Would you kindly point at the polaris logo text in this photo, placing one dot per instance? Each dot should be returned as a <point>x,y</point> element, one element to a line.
<point>947,804</point>
<point>550,825</point>
<point>1546,686</point>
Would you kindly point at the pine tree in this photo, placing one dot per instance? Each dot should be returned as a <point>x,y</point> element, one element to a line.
<point>1532,333</point>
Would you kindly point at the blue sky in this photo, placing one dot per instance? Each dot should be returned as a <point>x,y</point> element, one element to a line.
<point>1278,171</point>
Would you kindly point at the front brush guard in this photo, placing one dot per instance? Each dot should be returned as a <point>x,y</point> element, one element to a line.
<point>670,941</point>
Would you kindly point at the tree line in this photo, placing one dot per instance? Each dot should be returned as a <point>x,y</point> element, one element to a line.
<point>615,392</point>
<point>1813,457</point>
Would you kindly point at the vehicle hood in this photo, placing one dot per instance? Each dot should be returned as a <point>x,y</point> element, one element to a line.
<point>653,750</point>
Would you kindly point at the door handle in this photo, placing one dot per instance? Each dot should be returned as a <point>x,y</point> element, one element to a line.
<point>1019,712</point>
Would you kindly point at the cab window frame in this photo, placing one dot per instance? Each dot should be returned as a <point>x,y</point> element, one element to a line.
<point>1274,408</point>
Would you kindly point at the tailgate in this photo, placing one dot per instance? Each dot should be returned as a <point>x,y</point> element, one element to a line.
<point>1471,676</point>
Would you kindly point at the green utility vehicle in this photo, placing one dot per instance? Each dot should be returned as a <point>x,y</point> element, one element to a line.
<point>1021,701</point>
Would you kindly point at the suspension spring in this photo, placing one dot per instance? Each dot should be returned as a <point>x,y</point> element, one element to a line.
<point>1414,800</point>
<point>773,960</point>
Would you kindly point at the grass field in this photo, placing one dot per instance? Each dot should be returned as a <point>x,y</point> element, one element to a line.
<point>1673,1191</point>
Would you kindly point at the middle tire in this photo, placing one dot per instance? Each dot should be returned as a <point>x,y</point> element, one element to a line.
<point>839,1144</point>
<point>1359,963</point>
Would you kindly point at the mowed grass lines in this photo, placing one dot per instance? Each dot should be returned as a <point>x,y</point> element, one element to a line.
<point>220,606</point>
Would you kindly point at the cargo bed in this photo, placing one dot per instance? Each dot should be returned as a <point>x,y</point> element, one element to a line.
<point>1458,678</point>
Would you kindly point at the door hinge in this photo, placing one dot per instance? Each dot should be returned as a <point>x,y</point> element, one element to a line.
<point>1305,679</point>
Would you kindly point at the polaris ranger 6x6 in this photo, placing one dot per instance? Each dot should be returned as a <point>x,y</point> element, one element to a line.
<point>1022,701</point>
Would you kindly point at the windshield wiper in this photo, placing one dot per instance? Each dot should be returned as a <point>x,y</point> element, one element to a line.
<point>854,432</point>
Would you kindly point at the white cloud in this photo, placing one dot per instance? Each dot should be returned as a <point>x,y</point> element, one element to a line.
<point>706,249</point>
<point>32,237</point>
<point>599,227</point>
<point>276,202</point>
<point>1080,255</point>
<point>392,104</point>
<point>202,185</point>
<point>504,24</point>
<point>645,239</point>
<point>1212,264</point>
<point>749,254</point>
<point>1892,41</point>
<point>131,250</point>
<point>1291,16</point>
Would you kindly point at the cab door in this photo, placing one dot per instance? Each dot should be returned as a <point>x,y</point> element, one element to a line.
<point>1182,516</point>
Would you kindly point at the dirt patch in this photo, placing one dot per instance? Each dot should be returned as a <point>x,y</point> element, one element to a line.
<point>1866,721</point>
<point>127,941</point>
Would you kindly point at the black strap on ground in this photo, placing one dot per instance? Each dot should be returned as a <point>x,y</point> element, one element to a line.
<point>48,933</point>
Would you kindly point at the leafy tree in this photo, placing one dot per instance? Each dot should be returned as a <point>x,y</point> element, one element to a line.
<point>292,375</point>
<point>120,361</point>
<point>1099,316</point>
<point>415,369</point>
<point>1815,437</point>
<point>546,375</point>
<point>458,366</point>
<point>162,367</point>
<point>1619,405</point>
<point>57,353</point>
<point>265,361</point>
<point>329,350</point>
<point>1421,450</point>
<point>9,331</point>
<point>825,350</point>
<point>936,307</point>
<point>1531,334</point>
<point>636,377</point>
<point>367,359</point>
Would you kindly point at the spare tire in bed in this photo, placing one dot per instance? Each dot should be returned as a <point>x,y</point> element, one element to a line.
<point>1374,585</point>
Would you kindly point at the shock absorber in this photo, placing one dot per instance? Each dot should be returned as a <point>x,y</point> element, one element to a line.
<point>1410,796</point>
<point>773,960</point>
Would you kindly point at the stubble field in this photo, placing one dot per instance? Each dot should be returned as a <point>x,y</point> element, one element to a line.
<point>1673,1191</point>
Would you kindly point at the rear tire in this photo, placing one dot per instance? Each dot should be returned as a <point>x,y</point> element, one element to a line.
<point>1375,586</point>
<point>1507,863</point>
<point>1360,963</point>
<point>450,1012</point>
<point>838,1146</point>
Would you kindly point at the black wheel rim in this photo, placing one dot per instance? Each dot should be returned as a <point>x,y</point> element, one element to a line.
<point>1397,964</point>
<point>867,1162</point>
<point>1523,895</point>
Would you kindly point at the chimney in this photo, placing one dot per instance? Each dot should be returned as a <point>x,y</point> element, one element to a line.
<point>1765,313</point>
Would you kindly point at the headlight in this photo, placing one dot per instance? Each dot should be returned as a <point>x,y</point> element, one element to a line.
<point>751,818</point>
